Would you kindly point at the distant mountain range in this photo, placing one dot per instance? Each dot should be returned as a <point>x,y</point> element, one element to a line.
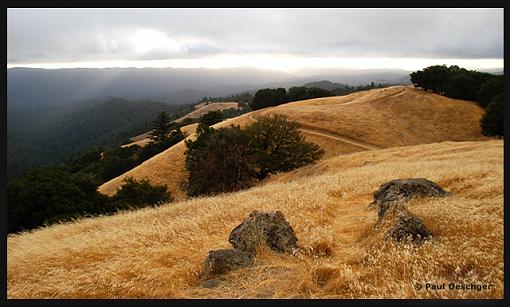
<point>29,86</point>
<point>49,87</point>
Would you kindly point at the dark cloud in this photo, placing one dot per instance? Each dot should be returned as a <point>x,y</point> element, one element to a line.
<point>47,35</point>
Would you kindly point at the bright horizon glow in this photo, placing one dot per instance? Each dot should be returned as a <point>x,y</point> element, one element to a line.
<point>285,63</point>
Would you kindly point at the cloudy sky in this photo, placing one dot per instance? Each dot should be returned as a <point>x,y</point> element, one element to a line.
<point>282,39</point>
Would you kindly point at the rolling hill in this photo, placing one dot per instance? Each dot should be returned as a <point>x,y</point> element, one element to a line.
<point>368,120</point>
<point>205,108</point>
<point>159,252</point>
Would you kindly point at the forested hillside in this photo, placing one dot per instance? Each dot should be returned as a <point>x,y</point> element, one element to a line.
<point>46,135</point>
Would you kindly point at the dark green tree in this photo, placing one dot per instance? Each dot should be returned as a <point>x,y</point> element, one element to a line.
<point>269,97</point>
<point>211,118</point>
<point>140,193</point>
<point>462,86</point>
<point>117,161</point>
<point>219,161</point>
<point>280,146</point>
<point>230,159</point>
<point>489,90</point>
<point>161,128</point>
<point>453,81</point>
<point>296,93</point>
<point>50,194</point>
<point>315,92</point>
<point>492,122</point>
<point>87,161</point>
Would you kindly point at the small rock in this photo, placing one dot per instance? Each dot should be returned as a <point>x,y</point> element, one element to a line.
<point>408,229</point>
<point>211,283</point>
<point>225,260</point>
<point>263,227</point>
<point>393,192</point>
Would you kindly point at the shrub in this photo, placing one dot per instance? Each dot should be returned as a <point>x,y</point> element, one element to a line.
<point>233,112</point>
<point>141,193</point>
<point>211,118</point>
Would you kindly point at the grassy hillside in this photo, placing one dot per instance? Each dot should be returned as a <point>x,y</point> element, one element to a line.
<point>380,118</point>
<point>206,108</point>
<point>393,116</point>
<point>159,252</point>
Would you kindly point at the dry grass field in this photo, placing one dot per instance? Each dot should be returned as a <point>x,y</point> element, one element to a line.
<point>379,118</point>
<point>160,252</point>
<point>206,108</point>
<point>388,117</point>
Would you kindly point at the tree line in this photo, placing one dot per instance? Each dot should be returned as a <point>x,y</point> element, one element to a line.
<point>459,83</point>
<point>269,97</point>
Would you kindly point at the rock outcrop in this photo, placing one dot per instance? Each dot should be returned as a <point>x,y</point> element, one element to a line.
<point>262,227</point>
<point>259,228</point>
<point>391,199</point>
<point>225,260</point>
<point>393,193</point>
<point>408,228</point>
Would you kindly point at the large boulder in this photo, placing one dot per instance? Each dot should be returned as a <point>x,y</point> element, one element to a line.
<point>408,228</point>
<point>221,261</point>
<point>264,228</point>
<point>393,192</point>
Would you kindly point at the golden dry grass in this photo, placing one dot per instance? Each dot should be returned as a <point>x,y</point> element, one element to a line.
<point>206,108</point>
<point>388,117</point>
<point>394,116</point>
<point>142,142</point>
<point>159,252</point>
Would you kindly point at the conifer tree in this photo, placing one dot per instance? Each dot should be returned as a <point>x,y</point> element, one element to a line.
<point>161,128</point>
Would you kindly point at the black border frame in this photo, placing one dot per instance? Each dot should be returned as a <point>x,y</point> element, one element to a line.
<point>269,4</point>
